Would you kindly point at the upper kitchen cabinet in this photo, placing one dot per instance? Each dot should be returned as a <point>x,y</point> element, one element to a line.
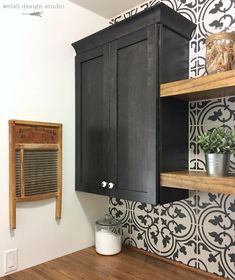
<point>92,120</point>
<point>133,107</point>
<point>123,129</point>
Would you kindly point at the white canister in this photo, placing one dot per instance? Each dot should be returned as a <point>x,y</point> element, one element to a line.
<point>108,236</point>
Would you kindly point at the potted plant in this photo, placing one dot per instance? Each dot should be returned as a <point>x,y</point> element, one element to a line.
<point>218,145</point>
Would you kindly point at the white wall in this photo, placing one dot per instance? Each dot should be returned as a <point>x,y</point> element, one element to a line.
<point>37,83</point>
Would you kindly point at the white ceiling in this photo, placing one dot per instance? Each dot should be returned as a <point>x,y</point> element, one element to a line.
<point>108,8</point>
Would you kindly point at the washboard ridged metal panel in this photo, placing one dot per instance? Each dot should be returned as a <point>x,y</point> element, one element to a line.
<point>35,163</point>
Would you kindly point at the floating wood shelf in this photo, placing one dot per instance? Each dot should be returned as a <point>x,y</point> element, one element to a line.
<point>198,180</point>
<point>206,87</point>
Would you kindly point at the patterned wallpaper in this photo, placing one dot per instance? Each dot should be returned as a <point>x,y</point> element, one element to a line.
<point>198,231</point>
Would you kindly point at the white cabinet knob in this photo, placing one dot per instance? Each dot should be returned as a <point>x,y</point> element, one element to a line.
<point>104,184</point>
<point>110,185</point>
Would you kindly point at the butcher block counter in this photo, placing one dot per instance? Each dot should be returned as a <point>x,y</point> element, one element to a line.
<point>130,264</point>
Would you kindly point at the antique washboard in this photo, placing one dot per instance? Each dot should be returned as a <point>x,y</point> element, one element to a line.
<point>35,163</point>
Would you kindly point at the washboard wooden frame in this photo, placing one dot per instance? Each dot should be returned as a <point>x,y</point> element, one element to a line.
<point>35,164</point>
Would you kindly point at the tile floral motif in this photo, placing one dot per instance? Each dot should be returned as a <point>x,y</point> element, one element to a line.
<point>203,116</point>
<point>192,113</point>
<point>216,112</point>
<point>187,8</point>
<point>134,11</point>
<point>149,4</point>
<point>179,232</point>
<point>145,228</point>
<point>215,14</point>
<point>213,113</point>
<point>120,204</point>
<point>216,245</point>
<point>120,209</point>
<point>199,231</point>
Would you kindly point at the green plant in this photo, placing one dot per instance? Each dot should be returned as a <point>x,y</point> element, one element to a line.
<point>218,140</point>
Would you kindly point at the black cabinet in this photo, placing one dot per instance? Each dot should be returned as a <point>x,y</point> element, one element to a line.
<point>133,116</point>
<point>92,119</point>
<point>122,128</point>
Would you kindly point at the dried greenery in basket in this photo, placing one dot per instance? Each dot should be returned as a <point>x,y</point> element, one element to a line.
<point>218,140</point>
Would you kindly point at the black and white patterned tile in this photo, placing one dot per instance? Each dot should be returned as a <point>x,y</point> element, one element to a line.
<point>192,113</point>
<point>134,11</point>
<point>120,209</point>
<point>214,113</point>
<point>216,244</point>
<point>203,116</point>
<point>145,227</point>
<point>179,231</point>
<point>199,231</point>
<point>193,148</point>
<point>187,8</point>
<point>192,136</point>
<point>211,13</point>
<point>214,15</point>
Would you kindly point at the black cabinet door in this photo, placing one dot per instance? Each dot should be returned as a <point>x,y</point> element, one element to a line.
<point>133,116</point>
<point>92,120</point>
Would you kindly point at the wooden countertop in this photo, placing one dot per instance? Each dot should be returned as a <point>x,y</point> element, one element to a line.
<point>130,264</point>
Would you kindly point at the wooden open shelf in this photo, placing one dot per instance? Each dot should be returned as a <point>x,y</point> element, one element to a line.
<point>206,87</point>
<point>198,180</point>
